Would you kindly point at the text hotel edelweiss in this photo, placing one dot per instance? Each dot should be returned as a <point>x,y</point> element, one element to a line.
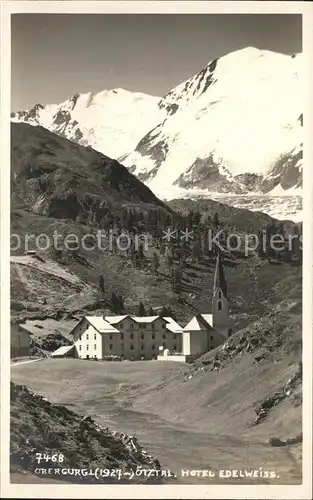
<point>99,473</point>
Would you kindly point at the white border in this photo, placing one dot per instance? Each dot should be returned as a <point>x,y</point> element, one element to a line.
<point>274,492</point>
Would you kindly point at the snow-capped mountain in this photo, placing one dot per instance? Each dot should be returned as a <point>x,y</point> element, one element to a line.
<point>232,131</point>
<point>235,128</point>
<point>112,121</point>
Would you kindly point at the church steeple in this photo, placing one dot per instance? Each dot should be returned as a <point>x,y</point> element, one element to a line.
<point>220,310</point>
<point>219,277</point>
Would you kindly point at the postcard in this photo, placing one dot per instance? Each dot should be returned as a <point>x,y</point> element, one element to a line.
<point>156,177</point>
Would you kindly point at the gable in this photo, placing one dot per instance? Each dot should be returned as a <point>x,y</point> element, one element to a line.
<point>79,328</point>
<point>159,321</point>
<point>17,329</point>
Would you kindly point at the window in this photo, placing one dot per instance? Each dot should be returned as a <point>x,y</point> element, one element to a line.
<point>211,337</point>
<point>163,326</point>
<point>153,326</point>
<point>131,326</point>
<point>111,336</point>
<point>153,335</point>
<point>142,347</point>
<point>219,294</point>
<point>19,340</point>
<point>95,347</point>
<point>153,347</point>
<point>164,336</point>
<point>131,335</point>
<point>142,336</point>
<point>219,305</point>
<point>131,347</point>
<point>174,347</point>
<point>87,336</point>
<point>80,337</point>
<point>87,347</point>
<point>144,325</point>
<point>80,347</point>
<point>95,336</point>
<point>111,347</point>
<point>122,336</point>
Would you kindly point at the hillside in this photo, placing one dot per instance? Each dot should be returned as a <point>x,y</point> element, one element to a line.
<point>254,284</point>
<point>58,178</point>
<point>38,425</point>
<point>259,367</point>
<point>239,219</point>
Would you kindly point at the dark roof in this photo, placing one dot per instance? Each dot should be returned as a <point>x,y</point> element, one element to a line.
<point>219,278</point>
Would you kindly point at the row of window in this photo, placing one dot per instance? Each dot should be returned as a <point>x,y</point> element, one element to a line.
<point>151,325</point>
<point>142,347</point>
<point>87,336</point>
<point>142,336</point>
<point>131,326</point>
<point>87,347</point>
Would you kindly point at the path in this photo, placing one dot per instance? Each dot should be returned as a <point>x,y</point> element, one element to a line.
<point>18,363</point>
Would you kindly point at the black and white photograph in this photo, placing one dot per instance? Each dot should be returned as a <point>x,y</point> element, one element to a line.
<point>155,312</point>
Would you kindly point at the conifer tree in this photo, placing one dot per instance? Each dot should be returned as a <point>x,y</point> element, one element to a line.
<point>216,222</point>
<point>168,259</point>
<point>141,309</point>
<point>101,283</point>
<point>114,301</point>
<point>121,303</point>
<point>164,312</point>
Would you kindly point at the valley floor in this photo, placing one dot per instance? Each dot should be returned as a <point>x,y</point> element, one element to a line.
<point>118,395</point>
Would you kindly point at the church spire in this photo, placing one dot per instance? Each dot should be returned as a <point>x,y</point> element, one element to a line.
<point>219,278</point>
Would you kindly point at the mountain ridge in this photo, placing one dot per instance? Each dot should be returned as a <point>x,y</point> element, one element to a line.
<point>103,120</point>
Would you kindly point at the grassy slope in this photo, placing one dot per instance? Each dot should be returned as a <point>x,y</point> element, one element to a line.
<point>229,394</point>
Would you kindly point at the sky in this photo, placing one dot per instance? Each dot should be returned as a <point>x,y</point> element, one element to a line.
<point>55,56</point>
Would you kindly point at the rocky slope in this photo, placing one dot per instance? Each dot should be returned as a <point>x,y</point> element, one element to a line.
<point>55,177</point>
<point>38,426</point>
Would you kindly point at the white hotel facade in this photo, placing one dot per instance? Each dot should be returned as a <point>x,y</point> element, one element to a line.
<point>128,337</point>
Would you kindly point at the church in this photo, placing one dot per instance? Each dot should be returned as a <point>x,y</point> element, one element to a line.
<point>207,331</point>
